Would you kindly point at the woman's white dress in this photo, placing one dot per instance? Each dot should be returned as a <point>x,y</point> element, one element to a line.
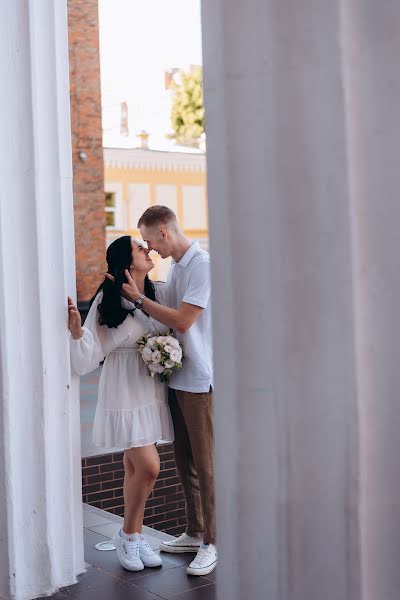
<point>132,408</point>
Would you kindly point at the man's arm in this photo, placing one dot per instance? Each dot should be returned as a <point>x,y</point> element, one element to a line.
<point>180,319</point>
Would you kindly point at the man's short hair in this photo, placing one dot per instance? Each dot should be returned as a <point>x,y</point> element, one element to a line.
<point>157,215</point>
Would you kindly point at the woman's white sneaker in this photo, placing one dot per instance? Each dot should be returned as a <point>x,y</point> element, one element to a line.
<point>128,551</point>
<point>184,543</point>
<point>148,557</point>
<point>205,561</point>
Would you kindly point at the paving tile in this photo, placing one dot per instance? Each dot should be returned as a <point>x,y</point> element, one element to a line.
<point>92,579</point>
<point>212,576</point>
<point>93,520</point>
<point>108,516</point>
<point>179,559</point>
<point>57,596</point>
<point>116,590</point>
<point>95,557</point>
<point>107,529</point>
<point>207,592</point>
<point>166,564</point>
<point>90,538</point>
<point>167,583</point>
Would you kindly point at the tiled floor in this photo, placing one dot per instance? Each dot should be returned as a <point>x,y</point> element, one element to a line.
<point>105,579</point>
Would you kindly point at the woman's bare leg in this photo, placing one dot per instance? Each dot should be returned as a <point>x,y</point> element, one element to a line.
<point>142,466</point>
<point>129,473</point>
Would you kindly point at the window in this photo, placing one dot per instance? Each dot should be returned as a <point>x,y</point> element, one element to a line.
<point>110,207</point>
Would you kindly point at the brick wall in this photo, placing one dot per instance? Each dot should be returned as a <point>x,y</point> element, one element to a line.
<point>88,184</point>
<point>102,481</point>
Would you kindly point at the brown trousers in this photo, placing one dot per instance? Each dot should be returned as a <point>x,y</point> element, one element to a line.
<point>192,415</point>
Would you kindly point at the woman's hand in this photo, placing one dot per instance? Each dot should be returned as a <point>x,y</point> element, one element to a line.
<point>74,320</point>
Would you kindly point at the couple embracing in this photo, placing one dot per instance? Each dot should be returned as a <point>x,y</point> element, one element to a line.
<point>135,411</point>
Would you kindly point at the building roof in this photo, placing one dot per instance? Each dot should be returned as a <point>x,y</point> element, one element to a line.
<point>152,160</point>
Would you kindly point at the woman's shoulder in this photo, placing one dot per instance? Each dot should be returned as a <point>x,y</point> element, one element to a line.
<point>160,285</point>
<point>97,298</point>
<point>92,316</point>
<point>161,289</point>
<point>94,303</point>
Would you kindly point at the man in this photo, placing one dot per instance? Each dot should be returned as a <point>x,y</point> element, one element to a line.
<point>190,392</point>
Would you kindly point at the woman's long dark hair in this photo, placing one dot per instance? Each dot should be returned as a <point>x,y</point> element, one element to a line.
<point>119,257</point>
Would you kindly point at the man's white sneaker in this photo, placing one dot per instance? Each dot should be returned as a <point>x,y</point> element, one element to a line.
<point>128,551</point>
<point>205,561</point>
<point>148,557</point>
<point>184,543</point>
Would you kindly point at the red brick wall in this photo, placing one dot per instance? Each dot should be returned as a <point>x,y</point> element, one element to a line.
<point>86,124</point>
<point>102,481</point>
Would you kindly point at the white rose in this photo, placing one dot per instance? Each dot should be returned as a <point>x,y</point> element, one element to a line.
<point>174,342</point>
<point>151,342</point>
<point>176,355</point>
<point>168,348</point>
<point>160,339</point>
<point>156,358</point>
<point>147,354</point>
<point>169,364</point>
<point>158,368</point>
<point>152,367</point>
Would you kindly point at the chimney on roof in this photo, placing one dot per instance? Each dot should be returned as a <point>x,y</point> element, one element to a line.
<point>143,139</point>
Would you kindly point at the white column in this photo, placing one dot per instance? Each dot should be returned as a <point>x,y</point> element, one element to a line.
<point>40,490</point>
<point>372,83</point>
<point>303,130</point>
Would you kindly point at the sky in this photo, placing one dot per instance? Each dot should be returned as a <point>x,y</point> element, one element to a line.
<point>139,40</point>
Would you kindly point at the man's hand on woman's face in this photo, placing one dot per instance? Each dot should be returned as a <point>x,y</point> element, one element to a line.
<point>130,289</point>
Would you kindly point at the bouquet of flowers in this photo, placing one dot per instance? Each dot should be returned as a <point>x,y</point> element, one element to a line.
<point>161,353</point>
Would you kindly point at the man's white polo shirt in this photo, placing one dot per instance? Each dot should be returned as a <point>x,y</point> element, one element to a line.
<point>189,281</point>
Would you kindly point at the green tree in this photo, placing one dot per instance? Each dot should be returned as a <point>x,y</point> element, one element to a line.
<point>187,112</point>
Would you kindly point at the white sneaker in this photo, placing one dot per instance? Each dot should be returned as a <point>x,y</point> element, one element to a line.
<point>128,551</point>
<point>148,557</point>
<point>184,543</point>
<point>205,561</point>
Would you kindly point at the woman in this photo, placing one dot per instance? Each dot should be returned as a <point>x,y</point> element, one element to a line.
<point>132,410</point>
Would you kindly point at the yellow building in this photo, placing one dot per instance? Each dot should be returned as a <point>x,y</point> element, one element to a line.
<point>136,178</point>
